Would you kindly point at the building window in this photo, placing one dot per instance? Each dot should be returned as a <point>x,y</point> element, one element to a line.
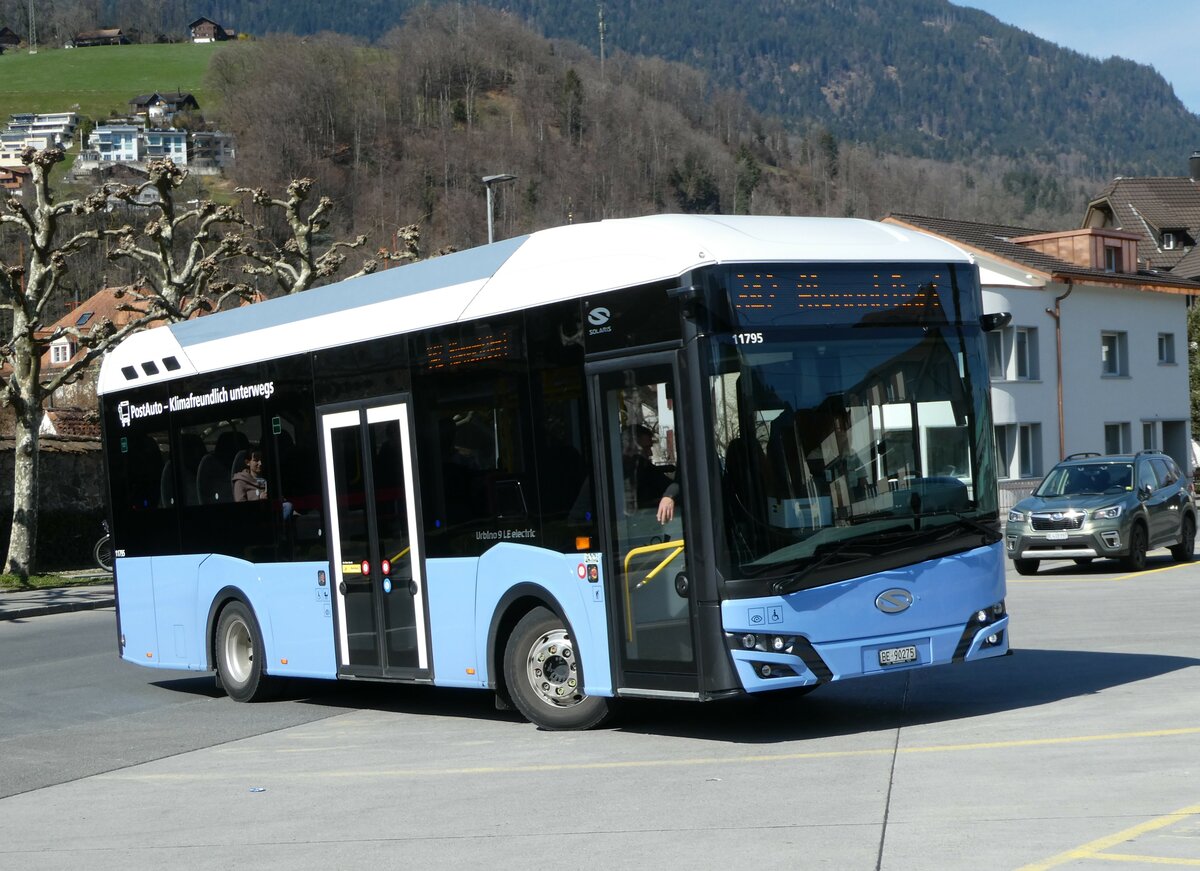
<point>1116,438</point>
<point>1025,351</point>
<point>1029,449</point>
<point>1166,349</point>
<point>61,352</point>
<point>1150,435</point>
<point>995,349</point>
<point>1168,241</point>
<point>1114,354</point>
<point>1112,258</point>
<point>1004,451</point>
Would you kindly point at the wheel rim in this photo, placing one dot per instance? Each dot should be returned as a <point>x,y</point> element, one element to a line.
<point>553,671</point>
<point>239,651</point>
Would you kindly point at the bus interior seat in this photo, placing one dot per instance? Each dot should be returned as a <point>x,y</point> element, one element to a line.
<point>191,452</point>
<point>213,482</point>
<point>166,485</point>
<point>239,463</point>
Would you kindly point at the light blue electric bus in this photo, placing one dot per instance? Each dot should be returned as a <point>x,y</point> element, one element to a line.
<point>682,457</point>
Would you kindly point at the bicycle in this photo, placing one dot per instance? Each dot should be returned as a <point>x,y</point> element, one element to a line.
<point>102,552</point>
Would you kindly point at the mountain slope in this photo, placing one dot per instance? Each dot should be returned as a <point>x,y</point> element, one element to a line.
<point>917,77</point>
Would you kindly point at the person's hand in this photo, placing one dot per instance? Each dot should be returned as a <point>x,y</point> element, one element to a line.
<point>666,509</point>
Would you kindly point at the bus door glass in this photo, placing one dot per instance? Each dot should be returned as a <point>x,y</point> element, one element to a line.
<point>374,540</point>
<point>645,544</point>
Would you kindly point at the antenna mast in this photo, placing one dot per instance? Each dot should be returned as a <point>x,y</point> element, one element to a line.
<point>32,30</point>
<point>603,29</point>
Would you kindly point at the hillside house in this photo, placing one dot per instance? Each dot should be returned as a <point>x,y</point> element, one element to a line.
<point>104,36</point>
<point>114,143</point>
<point>1095,357</point>
<point>1164,212</point>
<point>212,149</point>
<point>14,178</point>
<point>8,39</point>
<point>31,130</point>
<point>161,108</point>
<point>207,30</point>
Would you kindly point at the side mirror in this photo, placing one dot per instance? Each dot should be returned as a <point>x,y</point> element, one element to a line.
<point>1147,491</point>
<point>995,321</point>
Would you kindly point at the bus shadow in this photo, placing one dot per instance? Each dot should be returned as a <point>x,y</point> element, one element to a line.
<point>352,696</point>
<point>1028,678</point>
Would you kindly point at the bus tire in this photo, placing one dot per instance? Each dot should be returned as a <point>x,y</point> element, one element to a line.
<point>544,676</point>
<point>239,654</point>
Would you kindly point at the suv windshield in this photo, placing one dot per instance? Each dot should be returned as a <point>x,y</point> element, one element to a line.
<point>1087,479</point>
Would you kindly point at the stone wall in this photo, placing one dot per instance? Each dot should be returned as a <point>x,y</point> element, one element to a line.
<point>71,481</point>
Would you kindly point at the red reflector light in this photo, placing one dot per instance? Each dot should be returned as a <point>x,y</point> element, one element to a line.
<point>386,567</point>
<point>366,567</point>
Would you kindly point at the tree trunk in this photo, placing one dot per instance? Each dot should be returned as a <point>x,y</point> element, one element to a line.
<point>22,541</point>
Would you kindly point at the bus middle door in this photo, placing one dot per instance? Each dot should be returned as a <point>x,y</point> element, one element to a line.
<point>382,627</point>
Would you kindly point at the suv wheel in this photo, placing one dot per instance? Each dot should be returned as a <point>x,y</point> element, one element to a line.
<point>1135,560</point>
<point>1025,566</point>
<point>1183,551</point>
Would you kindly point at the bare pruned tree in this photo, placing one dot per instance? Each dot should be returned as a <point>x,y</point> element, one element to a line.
<point>180,252</point>
<point>301,259</point>
<point>26,292</point>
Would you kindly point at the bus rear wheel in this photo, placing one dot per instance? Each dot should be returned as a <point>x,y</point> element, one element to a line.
<point>239,655</point>
<point>544,677</point>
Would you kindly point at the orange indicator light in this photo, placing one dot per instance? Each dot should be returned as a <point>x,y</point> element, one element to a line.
<point>470,671</point>
<point>583,542</point>
<point>283,662</point>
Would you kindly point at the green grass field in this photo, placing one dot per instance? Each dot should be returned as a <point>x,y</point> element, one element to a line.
<point>99,81</point>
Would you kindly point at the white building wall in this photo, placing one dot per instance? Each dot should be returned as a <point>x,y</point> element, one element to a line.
<point>1150,393</point>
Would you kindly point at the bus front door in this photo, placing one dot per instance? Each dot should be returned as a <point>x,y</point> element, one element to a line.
<point>374,540</point>
<point>638,448</point>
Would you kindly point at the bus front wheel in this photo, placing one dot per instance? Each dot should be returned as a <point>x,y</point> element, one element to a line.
<point>544,677</point>
<point>239,655</point>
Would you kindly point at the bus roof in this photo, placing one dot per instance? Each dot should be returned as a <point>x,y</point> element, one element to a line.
<point>547,266</point>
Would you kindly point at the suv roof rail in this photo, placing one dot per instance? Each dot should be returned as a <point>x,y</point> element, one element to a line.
<point>1148,451</point>
<point>1082,455</point>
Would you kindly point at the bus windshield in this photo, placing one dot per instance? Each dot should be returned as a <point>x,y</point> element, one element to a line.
<point>840,447</point>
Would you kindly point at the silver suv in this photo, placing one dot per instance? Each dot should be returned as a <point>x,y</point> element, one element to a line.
<point>1093,506</point>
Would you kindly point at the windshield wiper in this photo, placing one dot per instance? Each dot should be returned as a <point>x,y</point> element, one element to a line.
<point>843,552</point>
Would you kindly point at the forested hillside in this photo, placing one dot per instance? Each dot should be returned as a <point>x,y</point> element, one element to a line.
<point>403,131</point>
<point>916,77</point>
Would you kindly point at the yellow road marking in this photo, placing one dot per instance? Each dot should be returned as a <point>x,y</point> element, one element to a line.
<point>1152,571</point>
<point>1095,849</point>
<point>693,761</point>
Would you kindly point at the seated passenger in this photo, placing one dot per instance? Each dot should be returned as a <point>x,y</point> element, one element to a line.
<point>249,485</point>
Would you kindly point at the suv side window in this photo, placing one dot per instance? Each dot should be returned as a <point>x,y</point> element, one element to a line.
<point>1146,476</point>
<point>1168,473</point>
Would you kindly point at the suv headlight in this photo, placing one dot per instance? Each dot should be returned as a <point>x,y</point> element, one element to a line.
<point>1016,517</point>
<point>1111,513</point>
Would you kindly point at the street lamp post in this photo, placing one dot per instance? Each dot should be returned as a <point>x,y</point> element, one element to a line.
<point>488,182</point>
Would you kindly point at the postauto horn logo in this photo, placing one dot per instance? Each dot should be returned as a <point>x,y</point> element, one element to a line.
<point>126,412</point>
<point>894,601</point>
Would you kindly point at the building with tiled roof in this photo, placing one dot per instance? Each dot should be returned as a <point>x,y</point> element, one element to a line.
<point>1165,214</point>
<point>1095,356</point>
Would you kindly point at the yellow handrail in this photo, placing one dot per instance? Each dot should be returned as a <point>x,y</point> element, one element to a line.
<point>676,548</point>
